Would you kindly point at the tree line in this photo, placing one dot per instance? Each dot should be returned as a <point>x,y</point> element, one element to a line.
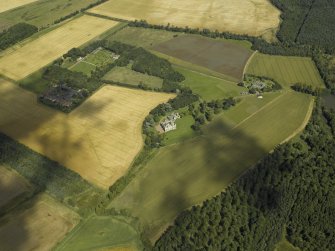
<point>15,34</point>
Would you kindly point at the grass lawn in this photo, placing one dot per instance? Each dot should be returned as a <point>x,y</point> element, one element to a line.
<point>42,13</point>
<point>185,174</point>
<point>183,132</point>
<point>127,76</point>
<point>96,59</point>
<point>286,70</point>
<point>209,87</point>
<point>100,233</point>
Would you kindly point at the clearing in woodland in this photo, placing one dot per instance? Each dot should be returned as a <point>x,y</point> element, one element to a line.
<point>11,185</point>
<point>19,63</point>
<point>185,174</point>
<point>98,140</point>
<point>102,233</point>
<point>253,17</point>
<point>221,56</point>
<point>8,5</point>
<point>40,227</point>
<point>285,70</point>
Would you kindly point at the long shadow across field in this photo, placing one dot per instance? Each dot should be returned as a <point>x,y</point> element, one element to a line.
<point>187,174</point>
<point>12,156</point>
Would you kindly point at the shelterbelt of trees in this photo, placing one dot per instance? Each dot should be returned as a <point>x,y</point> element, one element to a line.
<point>291,190</point>
<point>15,34</point>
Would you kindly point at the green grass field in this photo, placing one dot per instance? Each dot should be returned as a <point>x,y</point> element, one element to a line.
<point>185,174</point>
<point>42,13</point>
<point>285,245</point>
<point>209,87</point>
<point>125,75</point>
<point>285,70</point>
<point>141,37</point>
<point>101,233</point>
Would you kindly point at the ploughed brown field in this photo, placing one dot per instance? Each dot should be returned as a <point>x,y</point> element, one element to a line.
<point>221,56</point>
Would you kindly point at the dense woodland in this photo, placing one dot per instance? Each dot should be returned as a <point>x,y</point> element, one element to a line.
<point>307,22</point>
<point>293,189</point>
<point>15,34</point>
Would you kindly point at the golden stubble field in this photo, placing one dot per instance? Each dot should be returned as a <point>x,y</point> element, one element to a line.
<point>98,140</point>
<point>30,57</point>
<point>11,4</point>
<point>253,17</point>
<point>40,227</point>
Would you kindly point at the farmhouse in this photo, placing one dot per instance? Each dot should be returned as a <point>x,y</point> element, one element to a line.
<point>169,123</point>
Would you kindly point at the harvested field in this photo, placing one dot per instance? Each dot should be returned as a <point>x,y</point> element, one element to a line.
<point>186,174</point>
<point>98,140</point>
<point>39,227</point>
<point>286,70</point>
<point>217,55</point>
<point>237,16</point>
<point>11,185</point>
<point>8,5</point>
<point>32,56</point>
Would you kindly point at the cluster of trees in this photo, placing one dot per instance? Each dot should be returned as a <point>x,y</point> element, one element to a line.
<point>47,175</point>
<point>205,110</point>
<point>15,34</point>
<point>306,89</point>
<point>270,84</point>
<point>144,61</point>
<point>292,188</point>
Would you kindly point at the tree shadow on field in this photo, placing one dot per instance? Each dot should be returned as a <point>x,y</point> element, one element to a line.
<point>198,170</point>
<point>20,118</point>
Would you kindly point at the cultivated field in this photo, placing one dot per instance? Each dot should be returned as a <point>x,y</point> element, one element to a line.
<point>185,174</point>
<point>125,75</point>
<point>209,87</point>
<point>218,55</point>
<point>285,70</point>
<point>39,227</point>
<point>98,140</point>
<point>237,16</point>
<point>32,56</point>
<point>101,233</point>
<point>7,5</point>
<point>38,13</point>
<point>11,185</point>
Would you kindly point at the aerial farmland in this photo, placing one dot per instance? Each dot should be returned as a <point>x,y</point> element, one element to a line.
<point>165,125</point>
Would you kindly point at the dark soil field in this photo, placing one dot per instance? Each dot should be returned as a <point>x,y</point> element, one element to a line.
<point>221,56</point>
